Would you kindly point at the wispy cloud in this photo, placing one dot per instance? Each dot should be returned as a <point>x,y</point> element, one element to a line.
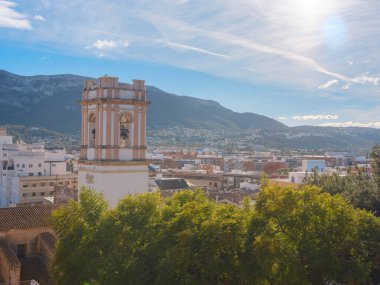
<point>102,44</point>
<point>352,124</point>
<point>107,44</point>
<point>278,45</point>
<point>282,118</point>
<point>257,44</point>
<point>363,79</point>
<point>39,18</point>
<point>195,49</point>
<point>307,61</point>
<point>315,117</point>
<point>10,18</point>
<point>229,39</point>
<point>304,60</point>
<point>328,84</point>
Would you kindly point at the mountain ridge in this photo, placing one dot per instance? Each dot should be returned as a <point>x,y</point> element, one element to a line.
<point>55,96</point>
<point>51,102</point>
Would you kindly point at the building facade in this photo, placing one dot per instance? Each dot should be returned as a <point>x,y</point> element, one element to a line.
<point>113,144</point>
<point>28,171</point>
<point>33,190</point>
<point>310,165</point>
<point>27,244</point>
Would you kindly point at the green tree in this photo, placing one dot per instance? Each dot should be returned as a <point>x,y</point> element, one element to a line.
<point>310,237</point>
<point>203,241</point>
<point>290,237</point>
<point>129,238</point>
<point>375,164</point>
<point>264,181</point>
<point>357,187</point>
<point>76,254</point>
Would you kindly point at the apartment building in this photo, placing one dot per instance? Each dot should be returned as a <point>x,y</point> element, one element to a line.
<point>28,173</point>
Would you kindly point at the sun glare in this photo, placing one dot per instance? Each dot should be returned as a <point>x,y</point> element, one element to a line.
<point>310,11</point>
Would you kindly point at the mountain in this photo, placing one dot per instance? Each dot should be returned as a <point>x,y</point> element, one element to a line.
<point>41,101</point>
<point>325,138</point>
<point>50,101</point>
<point>169,110</point>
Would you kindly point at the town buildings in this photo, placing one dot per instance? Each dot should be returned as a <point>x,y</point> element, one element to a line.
<point>29,173</point>
<point>26,244</point>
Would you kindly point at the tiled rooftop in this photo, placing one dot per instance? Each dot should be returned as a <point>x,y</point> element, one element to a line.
<point>9,253</point>
<point>49,240</point>
<point>34,269</point>
<point>172,184</point>
<point>25,217</point>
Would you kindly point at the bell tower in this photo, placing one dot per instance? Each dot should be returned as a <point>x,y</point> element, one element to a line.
<point>113,145</point>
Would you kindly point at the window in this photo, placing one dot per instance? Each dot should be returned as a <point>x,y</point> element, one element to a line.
<point>39,165</point>
<point>30,174</point>
<point>60,182</point>
<point>91,130</point>
<point>25,185</point>
<point>34,185</point>
<point>34,194</point>
<point>23,166</point>
<point>18,165</point>
<point>43,184</point>
<point>39,173</point>
<point>125,127</point>
<point>30,165</point>
<point>42,193</point>
<point>23,194</point>
<point>21,251</point>
<point>51,193</point>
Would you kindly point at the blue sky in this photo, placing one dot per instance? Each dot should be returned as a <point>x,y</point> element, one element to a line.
<point>300,61</point>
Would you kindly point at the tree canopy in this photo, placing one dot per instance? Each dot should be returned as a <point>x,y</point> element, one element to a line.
<point>289,237</point>
<point>357,187</point>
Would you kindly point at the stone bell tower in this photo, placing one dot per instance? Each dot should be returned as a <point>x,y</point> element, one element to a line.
<point>113,146</point>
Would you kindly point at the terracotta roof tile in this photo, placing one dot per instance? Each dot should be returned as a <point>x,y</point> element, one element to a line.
<point>25,217</point>
<point>49,240</point>
<point>172,184</point>
<point>34,269</point>
<point>9,254</point>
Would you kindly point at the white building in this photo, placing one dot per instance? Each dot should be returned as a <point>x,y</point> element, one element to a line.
<point>249,186</point>
<point>24,160</point>
<point>4,139</point>
<point>113,147</point>
<point>297,177</point>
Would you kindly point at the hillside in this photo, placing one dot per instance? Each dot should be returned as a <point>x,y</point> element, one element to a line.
<point>41,101</point>
<point>50,101</point>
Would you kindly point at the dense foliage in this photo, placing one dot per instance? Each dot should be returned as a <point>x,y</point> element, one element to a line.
<point>289,237</point>
<point>357,187</point>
